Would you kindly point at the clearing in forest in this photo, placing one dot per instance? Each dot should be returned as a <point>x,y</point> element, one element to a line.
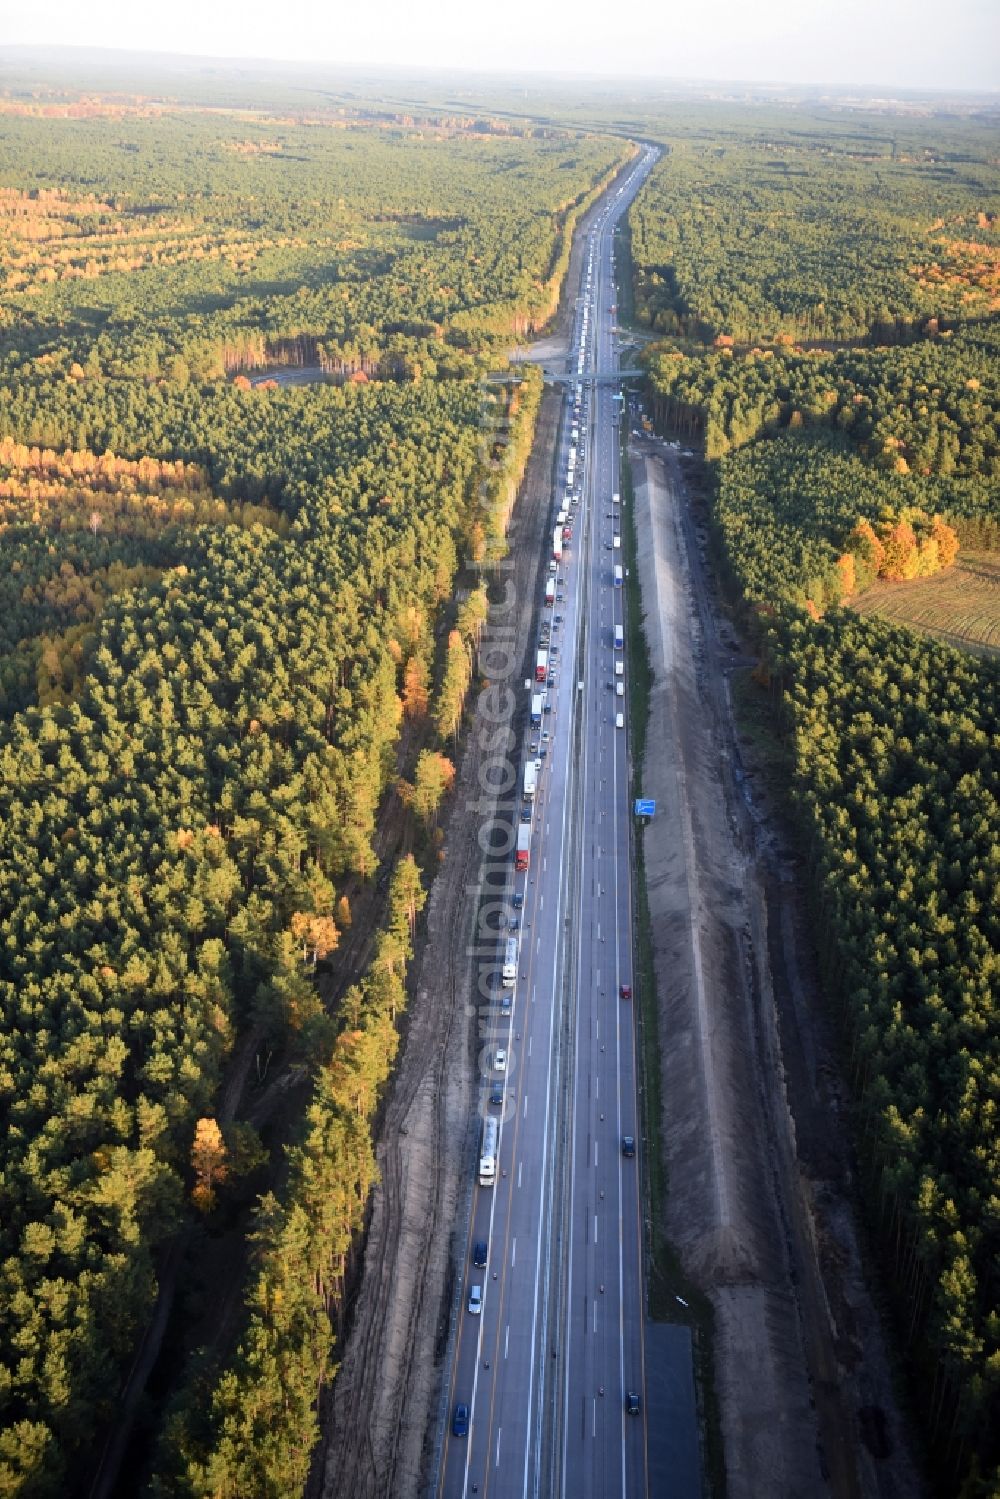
<point>960,606</point>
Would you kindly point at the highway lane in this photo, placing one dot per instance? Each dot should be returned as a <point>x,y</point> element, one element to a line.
<point>603,1447</point>
<point>553,1238</point>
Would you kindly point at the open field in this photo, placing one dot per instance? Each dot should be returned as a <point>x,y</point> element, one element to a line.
<point>960,607</point>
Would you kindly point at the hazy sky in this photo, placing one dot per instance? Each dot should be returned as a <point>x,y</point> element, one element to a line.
<point>899,43</point>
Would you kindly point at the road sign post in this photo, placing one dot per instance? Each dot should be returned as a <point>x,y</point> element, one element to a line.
<point>644,807</point>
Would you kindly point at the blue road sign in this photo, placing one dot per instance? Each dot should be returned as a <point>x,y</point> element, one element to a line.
<point>645,808</point>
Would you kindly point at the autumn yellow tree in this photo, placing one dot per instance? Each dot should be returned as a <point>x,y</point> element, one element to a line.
<point>435,775</point>
<point>208,1162</point>
<point>846,576</point>
<point>900,561</point>
<point>316,932</point>
<point>415,693</point>
<point>947,542</point>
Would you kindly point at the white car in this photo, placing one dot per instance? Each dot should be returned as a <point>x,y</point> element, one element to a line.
<point>476,1300</point>
<point>500,1060</point>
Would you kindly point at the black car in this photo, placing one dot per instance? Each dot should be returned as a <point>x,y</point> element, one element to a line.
<point>517,900</point>
<point>496,1094</point>
<point>479,1252</point>
<point>460,1420</point>
<point>628,1145</point>
<point>633,1404</point>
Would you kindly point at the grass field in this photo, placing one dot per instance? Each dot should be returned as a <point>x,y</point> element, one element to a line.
<point>960,606</point>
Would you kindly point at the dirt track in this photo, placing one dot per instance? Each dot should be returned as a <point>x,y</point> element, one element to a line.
<point>759,1186</point>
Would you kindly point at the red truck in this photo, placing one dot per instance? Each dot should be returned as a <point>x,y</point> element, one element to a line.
<point>523,846</point>
<point>541,665</point>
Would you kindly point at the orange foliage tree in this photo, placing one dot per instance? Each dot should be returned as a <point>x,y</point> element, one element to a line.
<point>208,1161</point>
<point>901,560</point>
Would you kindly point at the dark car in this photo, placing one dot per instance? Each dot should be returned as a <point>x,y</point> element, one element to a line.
<point>633,1404</point>
<point>460,1420</point>
<point>513,924</point>
<point>479,1252</point>
<point>628,1145</point>
<point>517,900</point>
<point>496,1094</point>
<point>525,814</point>
<point>626,991</point>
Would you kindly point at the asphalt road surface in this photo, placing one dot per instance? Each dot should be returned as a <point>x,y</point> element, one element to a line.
<point>548,1363</point>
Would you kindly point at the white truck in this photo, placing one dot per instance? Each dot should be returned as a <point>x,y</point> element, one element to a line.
<point>557,541</point>
<point>530,780</point>
<point>488,1153</point>
<point>509,971</point>
<point>550,591</point>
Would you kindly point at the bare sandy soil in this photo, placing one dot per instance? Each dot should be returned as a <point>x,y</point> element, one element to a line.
<point>759,1203</point>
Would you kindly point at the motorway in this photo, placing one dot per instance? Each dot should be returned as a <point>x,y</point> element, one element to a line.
<point>546,1368</point>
